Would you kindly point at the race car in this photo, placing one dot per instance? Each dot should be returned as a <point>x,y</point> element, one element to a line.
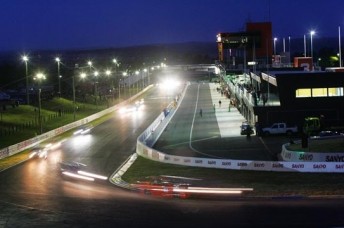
<point>160,187</point>
<point>84,129</point>
<point>166,190</point>
<point>137,106</point>
<point>39,152</point>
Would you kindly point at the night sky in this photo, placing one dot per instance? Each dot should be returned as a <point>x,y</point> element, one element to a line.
<point>68,24</point>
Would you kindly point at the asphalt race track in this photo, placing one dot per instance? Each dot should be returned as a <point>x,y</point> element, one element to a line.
<point>35,194</point>
<point>215,133</point>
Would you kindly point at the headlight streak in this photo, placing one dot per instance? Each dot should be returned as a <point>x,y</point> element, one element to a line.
<point>74,175</point>
<point>134,109</point>
<point>43,152</point>
<point>85,131</point>
<point>92,175</point>
<point>55,146</point>
<point>48,145</point>
<point>32,154</point>
<point>77,132</point>
<point>82,131</point>
<point>180,190</point>
<point>212,190</point>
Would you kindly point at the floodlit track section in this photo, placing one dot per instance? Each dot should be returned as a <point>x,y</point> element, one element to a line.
<point>165,189</point>
<point>147,139</point>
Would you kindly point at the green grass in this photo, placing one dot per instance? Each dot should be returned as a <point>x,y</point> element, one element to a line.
<point>264,183</point>
<point>324,146</point>
<point>28,115</point>
<point>22,156</point>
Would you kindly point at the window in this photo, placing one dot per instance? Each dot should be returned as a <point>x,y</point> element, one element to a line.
<point>334,92</point>
<point>319,92</point>
<point>303,93</point>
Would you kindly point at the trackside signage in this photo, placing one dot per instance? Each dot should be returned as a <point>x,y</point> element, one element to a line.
<point>300,156</point>
<point>282,166</point>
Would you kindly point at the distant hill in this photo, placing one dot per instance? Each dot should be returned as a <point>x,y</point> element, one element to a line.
<point>188,52</point>
<point>297,45</point>
<point>177,53</point>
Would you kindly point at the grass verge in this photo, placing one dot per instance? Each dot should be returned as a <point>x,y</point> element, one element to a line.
<point>23,155</point>
<point>329,145</point>
<point>264,183</point>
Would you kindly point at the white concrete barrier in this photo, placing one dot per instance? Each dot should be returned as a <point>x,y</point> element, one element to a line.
<point>302,156</point>
<point>282,166</point>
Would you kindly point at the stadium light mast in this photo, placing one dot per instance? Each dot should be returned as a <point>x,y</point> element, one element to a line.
<point>340,48</point>
<point>25,58</point>
<point>312,32</point>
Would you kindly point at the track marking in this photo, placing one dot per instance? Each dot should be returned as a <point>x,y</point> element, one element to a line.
<point>266,148</point>
<point>198,140</point>
<point>191,130</point>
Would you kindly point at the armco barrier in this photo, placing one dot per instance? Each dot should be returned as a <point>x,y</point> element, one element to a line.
<point>144,144</point>
<point>16,148</point>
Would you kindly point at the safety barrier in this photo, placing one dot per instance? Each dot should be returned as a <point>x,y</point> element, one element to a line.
<point>302,156</point>
<point>283,166</point>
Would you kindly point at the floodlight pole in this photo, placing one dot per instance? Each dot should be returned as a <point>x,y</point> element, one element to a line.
<point>340,49</point>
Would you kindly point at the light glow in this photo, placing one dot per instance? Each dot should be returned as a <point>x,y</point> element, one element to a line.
<point>83,75</point>
<point>40,76</point>
<point>77,176</point>
<point>25,58</point>
<point>56,145</point>
<point>77,132</point>
<point>92,175</point>
<point>170,84</point>
<point>43,154</point>
<point>32,154</point>
<point>213,190</point>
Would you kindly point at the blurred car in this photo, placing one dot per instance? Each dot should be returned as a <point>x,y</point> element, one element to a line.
<point>133,108</point>
<point>72,167</point>
<point>84,129</point>
<point>140,102</point>
<point>329,133</point>
<point>39,152</point>
<point>245,126</point>
<point>77,170</point>
<point>161,189</point>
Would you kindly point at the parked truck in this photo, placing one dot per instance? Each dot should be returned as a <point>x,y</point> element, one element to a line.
<point>279,128</point>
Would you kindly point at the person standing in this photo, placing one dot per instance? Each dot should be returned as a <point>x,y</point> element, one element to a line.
<point>220,103</point>
<point>200,112</point>
<point>265,99</point>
